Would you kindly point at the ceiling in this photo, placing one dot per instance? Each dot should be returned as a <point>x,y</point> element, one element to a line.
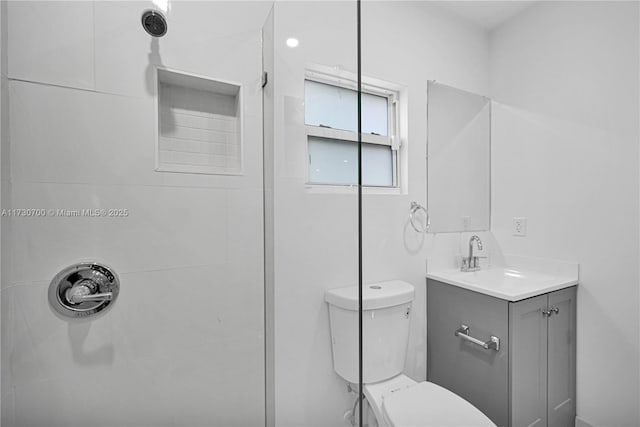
<point>485,14</point>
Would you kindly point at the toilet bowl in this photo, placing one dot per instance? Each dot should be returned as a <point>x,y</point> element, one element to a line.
<point>403,402</point>
<point>395,399</point>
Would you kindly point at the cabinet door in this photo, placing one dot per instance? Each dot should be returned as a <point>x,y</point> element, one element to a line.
<point>562,358</point>
<point>528,368</point>
<point>478,375</point>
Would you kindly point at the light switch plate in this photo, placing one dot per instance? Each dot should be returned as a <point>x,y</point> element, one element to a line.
<point>519,226</point>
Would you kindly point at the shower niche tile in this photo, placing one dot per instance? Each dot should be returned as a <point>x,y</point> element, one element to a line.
<point>199,125</point>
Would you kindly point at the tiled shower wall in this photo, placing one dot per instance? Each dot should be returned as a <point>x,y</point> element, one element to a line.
<point>183,344</point>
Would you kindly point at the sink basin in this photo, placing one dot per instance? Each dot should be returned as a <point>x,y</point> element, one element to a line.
<point>509,283</point>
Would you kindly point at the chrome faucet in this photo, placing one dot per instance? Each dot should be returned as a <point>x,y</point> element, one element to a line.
<point>470,263</point>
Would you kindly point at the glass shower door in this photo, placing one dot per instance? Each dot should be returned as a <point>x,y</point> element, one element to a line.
<point>311,165</point>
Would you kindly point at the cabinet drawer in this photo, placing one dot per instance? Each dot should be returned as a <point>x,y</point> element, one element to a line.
<point>479,375</point>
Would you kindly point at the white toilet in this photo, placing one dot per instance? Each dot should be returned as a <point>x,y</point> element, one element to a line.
<point>395,399</point>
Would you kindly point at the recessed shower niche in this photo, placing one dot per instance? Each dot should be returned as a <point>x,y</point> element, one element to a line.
<point>199,124</point>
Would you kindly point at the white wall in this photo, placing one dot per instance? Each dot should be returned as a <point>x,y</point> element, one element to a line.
<point>183,344</point>
<point>565,155</point>
<point>406,43</point>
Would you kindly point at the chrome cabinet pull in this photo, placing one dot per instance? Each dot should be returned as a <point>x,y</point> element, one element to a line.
<point>492,344</point>
<point>549,312</point>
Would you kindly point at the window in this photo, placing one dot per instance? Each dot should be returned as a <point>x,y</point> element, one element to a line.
<point>331,119</point>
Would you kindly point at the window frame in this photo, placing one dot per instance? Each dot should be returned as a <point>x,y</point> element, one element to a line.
<point>346,80</point>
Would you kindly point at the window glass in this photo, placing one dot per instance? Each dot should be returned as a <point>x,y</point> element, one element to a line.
<point>337,107</point>
<point>332,161</point>
<point>374,114</point>
<point>378,165</point>
<point>332,106</point>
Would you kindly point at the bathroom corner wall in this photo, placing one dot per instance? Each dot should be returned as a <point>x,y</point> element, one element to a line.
<point>565,155</point>
<point>184,342</point>
<point>316,248</point>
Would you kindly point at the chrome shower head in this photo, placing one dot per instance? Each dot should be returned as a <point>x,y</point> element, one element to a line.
<point>154,23</point>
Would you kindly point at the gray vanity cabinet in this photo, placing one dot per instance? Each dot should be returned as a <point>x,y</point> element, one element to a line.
<point>561,360</point>
<point>530,379</point>
<point>528,351</point>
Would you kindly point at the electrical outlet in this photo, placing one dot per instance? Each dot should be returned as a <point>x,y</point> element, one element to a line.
<point>466,223</point>
<point>520,226</point>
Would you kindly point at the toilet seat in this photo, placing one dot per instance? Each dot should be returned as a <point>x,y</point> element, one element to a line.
<point>428,404</point>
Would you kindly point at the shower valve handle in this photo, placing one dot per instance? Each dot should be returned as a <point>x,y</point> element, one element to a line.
<point>86,291</point>
<point>77,299</point>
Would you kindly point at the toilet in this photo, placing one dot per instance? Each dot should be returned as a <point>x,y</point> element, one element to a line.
<point>394,399</point>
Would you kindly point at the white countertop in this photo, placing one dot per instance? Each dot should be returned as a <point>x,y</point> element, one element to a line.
<point>513,283</point>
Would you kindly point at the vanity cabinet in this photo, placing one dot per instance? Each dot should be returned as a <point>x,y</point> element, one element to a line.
<point>529,379</point>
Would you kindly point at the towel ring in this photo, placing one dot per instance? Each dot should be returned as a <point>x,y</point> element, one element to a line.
<point>415,207</point>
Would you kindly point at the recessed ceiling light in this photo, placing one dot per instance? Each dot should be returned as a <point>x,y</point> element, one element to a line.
<point>292,42</point>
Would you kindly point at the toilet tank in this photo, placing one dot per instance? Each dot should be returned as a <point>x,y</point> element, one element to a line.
<point>385,329</point>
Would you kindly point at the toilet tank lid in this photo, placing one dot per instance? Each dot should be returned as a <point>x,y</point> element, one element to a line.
<point>374,295</point>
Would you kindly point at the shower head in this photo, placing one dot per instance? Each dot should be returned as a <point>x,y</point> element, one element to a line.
<point>154,23</point>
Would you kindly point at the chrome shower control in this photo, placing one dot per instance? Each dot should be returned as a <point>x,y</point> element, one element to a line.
<point>83,289</point>
<point>86,291</point>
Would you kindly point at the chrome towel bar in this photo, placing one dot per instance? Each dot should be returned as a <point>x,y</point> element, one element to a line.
<point>492,344</point>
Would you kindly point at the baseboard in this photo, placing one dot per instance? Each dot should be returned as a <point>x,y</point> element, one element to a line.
<point>582,423</point>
